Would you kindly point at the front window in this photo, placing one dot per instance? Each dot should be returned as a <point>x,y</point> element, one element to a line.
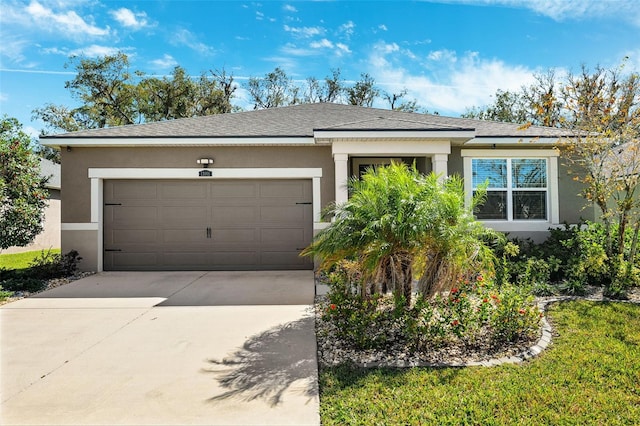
<point>517,188</point>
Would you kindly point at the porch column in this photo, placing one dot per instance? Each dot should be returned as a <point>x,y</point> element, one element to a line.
<point>439,165</point>
<point>341,177</point>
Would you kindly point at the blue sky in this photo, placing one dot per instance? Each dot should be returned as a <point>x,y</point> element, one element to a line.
<point>449,55</point>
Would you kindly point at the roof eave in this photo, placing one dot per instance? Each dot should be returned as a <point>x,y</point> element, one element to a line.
<point>154,141</point>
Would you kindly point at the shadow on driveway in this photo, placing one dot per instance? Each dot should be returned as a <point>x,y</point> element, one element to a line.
<point>269,364</point>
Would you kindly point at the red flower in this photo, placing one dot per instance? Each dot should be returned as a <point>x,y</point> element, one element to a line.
<point>522,311</point>
<point>479,278</point>
<point>485,300</point>
<point>454,290</point>
<point>332,306</point>
<point>455,323</point>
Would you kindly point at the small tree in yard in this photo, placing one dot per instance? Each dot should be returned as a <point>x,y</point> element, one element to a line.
<point>399,225</point>
<point>604,154</point>
<point>22,192</point>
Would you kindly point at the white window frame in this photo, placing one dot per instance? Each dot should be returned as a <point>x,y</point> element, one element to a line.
<point>510,224</point>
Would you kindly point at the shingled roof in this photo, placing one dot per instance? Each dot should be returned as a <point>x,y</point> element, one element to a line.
<point>303,120</point>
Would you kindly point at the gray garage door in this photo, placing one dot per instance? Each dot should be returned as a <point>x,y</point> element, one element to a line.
<point>212,225</point>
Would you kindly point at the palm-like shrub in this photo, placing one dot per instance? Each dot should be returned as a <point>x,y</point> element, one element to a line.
<point>399,225</point>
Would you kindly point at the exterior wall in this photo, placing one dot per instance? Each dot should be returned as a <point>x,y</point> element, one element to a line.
<point>572,206</point>
<point>81,234</point>
<point>85,242</point>
<point>455,166</point>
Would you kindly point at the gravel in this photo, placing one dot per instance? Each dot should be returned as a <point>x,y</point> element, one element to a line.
<point>52,283</point>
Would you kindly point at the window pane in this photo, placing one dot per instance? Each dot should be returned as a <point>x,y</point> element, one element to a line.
<point>494,208</point>
<point>530,205</point>
<point>493,170</point>
<point>529,173</point>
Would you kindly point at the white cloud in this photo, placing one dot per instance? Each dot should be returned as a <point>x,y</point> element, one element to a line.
<point>442,55</point>
<point>294,50</point>
<point>259,16</point>
<point>343,47</point>
<point>347,28</point>
<point>167,61</point>
<point>184,37</point>
<point>31,131</point>
<point>457,83</point>
<point>324,43</point>
<point>12,47</point>
<point>4,97</point>
<point>95,51</point>
<point>68,22</point>
<point>289,8</point>
<point>382,27</point>
<point>320,46</point>
<point>389,48</point>
<point>127,18</point>
<point>561,10</point>
<point>305,31</point>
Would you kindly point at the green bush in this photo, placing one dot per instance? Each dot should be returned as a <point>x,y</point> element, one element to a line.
<point>23,284</point>
<point>4,294</point>
<point>46,266</point>
<point>54,265</point>
<point>573,257</point>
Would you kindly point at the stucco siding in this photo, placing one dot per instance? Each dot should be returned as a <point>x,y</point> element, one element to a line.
<point>573,207</point>
<point>454,165</point>
<point>86,244</point>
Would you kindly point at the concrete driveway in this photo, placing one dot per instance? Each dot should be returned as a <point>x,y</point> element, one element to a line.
<point>163,348</point>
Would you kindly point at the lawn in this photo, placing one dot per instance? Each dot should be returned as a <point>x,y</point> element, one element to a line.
<point>21,260</point>
<point>589,375</point>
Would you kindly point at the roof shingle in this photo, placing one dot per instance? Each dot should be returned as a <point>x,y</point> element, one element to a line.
<point>302,120</point>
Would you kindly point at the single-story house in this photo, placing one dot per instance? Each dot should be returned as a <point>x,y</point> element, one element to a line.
<point>49,238</point>
<point>246,190</point>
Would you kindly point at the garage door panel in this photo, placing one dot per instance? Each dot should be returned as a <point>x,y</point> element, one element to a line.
<point>185,237</point>
<point>283,189</point>
<point>207,225</point>
<point>185,190</point>
<point>282,214</point>
<point>233,189</point>
<point>134,236</point>
<point>189,217</point>
<point>233,215</point>
<point>131,260</point>
<point>231,236</point>
<point>132,190</point>
<point>282,236</point>
<point>186,260</point>
<point>134,217</point>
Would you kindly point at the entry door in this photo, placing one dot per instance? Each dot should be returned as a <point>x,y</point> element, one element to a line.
<point>212,225</point>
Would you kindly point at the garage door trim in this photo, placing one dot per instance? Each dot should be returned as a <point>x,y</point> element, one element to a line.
<point>98,175</point>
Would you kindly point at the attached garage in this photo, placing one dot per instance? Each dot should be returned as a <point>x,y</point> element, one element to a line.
<point>226,224</point>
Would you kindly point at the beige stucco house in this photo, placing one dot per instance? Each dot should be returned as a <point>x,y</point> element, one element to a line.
<point>247,190</point>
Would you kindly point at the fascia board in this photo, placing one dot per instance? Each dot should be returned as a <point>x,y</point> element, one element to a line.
<point>395,134</point>
<point>514,141</point>
<point>161,141</point>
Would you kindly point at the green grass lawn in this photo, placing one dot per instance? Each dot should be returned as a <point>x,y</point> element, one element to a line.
<point>20,260</point>
<point>589,375</point>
